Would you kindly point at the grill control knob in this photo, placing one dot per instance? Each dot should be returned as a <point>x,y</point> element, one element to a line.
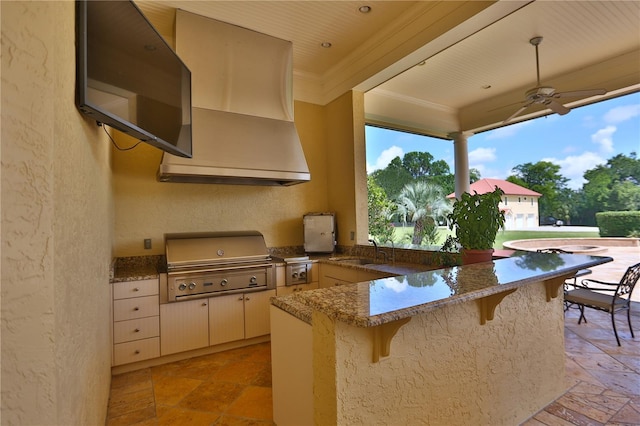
<point>253,280</point>
<point>224,282</point>
<point>192,285</point>
<point>182,286</point>
<point>303,275</point>
<point>294,275</point>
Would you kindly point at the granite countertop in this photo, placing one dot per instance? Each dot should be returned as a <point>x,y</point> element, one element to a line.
<point>377,302</point>
<point>137,268</point>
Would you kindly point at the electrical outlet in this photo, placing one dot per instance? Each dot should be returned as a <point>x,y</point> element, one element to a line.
<point>352,235</point>
<point>147,243</point>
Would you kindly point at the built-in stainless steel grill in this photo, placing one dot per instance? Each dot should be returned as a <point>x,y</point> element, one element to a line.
<point>208,264</point>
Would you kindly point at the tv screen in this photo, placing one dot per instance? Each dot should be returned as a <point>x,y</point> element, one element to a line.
<point>129,78</point>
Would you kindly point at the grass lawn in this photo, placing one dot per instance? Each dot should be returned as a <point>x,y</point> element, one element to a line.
<point>401,232</point>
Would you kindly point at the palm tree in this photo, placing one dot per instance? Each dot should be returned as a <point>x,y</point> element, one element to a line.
<point>422,203</point>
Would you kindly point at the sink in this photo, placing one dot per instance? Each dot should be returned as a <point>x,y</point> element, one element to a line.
<point>390,268</point>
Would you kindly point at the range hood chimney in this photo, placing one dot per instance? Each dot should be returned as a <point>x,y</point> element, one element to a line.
<point>242,107</point>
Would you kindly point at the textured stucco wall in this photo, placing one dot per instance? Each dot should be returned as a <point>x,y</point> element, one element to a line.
<point>342,145</point>
<point>146,208</point>
<point>444,367</point>
<point>56,227</point>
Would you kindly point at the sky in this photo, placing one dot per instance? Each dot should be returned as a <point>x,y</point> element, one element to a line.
<point>579,141</point>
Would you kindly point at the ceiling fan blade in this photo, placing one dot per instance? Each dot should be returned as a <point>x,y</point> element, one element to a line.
<point>517,113</point>
<point>580,93</point>
<point>557,108</point>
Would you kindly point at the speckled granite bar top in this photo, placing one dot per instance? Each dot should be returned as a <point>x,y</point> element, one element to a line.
<point>137,268</point>
<point>376,302</point>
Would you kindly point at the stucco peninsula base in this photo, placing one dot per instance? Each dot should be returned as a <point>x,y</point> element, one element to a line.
<point>480,344</point>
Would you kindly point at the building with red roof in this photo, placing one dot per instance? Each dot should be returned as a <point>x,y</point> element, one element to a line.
<point>520,204</point>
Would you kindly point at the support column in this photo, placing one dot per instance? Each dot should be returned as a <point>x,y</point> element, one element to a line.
<point>461,159</point>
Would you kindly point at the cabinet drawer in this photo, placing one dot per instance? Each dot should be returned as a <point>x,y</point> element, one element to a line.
<point>141,328</point>
<point>139,350</point>
<point>127,289</point>
<point>137,307</point>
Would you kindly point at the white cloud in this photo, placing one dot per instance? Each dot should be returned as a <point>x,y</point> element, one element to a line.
<point>385,158</point>
<point>604,138</point>
<point>574,166</point>
<point>482,155</point>
<point>508,131</point>
<point>622,113</point>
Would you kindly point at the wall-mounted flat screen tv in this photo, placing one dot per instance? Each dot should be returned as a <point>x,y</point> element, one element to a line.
<point>129,78</point>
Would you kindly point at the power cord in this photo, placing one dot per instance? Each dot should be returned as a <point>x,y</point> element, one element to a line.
<point>114,142</point>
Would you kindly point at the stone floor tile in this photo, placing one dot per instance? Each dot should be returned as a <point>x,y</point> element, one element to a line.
<point>573,417</point>
<point>628,415</point>
<point>176,416</point>
<point>130,402</point>
<point>147,414</point>
<point>578,404</point>
<point>214,396</point>
<point>599,362</point>
<point>621,382</point>
<point>255,402</point>
<point>549,419</point>
<point>239,372</point>
<point>226,420</point>
<point>170,390</point>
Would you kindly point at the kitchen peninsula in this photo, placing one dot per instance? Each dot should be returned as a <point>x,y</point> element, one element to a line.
<point>476,344</point>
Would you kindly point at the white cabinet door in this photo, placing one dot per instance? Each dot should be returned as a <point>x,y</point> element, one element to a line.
<point>256,313</point>
<point>226,318</point>
<point>184,326</point>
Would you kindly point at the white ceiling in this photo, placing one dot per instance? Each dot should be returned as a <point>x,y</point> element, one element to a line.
<point>465,46</point>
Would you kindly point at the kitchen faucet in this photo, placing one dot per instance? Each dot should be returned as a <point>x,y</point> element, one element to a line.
<point>393,252</point>
<point>376,251</point>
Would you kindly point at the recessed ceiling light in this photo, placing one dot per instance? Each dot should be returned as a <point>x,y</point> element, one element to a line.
<point>421,63</point>
<point>486,86</point>
<point>325,44</point>
<point>364,9</point>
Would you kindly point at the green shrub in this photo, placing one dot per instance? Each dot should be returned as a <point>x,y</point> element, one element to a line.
<point>618,224</point>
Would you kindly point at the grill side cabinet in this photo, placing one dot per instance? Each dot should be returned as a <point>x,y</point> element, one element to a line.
<point>136,327</point>
<point>184,326</point>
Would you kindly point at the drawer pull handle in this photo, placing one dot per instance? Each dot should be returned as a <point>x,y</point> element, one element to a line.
<point>136,289</point>
<point>137,330</point>
<point>136,309</point>
<point>137,352</point>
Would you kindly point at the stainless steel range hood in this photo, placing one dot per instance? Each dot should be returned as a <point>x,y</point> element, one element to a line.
<point>242,114</point>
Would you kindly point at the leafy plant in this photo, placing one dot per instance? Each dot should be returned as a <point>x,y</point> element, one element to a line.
<point>380,211</point>
<point>476,219</point>
<point>422,203</point>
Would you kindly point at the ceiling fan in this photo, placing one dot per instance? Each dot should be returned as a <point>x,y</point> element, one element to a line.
<point>545,95</point>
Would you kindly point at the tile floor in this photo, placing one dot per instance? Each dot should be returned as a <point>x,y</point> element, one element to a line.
<point>233,388</point>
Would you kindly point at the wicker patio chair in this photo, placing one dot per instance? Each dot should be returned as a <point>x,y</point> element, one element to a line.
<point>607,297</point>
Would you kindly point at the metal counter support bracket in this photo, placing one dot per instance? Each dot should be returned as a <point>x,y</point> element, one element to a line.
<point>382,335</point>
<point>488,305</point>
<point>552,286</point>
